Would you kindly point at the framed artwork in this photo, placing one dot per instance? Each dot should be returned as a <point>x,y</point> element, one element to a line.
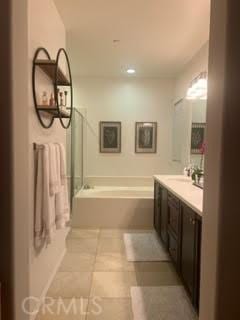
<point>110,137</point>
<point>197,137</point>
<point>146,137</point>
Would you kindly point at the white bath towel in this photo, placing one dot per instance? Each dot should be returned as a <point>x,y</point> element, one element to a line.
<point>45,216</point>
<point>54,170</point>
<point>39,224</point>
<point>62,200</point>
<point>58,167</point>
<point>63,168</point>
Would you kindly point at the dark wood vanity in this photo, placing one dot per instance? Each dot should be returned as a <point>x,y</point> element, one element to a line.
<point>179,228</point>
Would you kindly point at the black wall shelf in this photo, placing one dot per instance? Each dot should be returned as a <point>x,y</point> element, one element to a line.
<point>58,79</point>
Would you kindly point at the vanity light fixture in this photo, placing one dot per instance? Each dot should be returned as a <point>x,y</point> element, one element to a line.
<point>198,88</point>
<point>131,71</point>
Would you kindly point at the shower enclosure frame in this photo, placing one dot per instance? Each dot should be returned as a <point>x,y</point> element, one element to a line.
<point>76,113</point>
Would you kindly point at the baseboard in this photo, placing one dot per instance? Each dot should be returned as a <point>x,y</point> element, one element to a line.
<point>45,290</point>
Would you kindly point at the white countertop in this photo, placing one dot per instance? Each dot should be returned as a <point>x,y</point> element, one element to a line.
<point>183,189</point>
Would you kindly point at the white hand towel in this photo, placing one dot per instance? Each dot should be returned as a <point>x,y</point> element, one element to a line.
<point>63,169</point>
<point>54,179</point>
<point>58,166</point>
<point>39,224</point>
<point>62,200</point>
<point>45,202</point>
<point>49,215</point>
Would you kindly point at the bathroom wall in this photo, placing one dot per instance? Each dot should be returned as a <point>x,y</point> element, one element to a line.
<point>128,100</point>
<point>16,137</point>
<point>45,30</point>
<point>192,69</point>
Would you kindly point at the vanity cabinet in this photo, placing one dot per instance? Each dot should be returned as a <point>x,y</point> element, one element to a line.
<point>179,228</point>
<point>157,207</point>
<point>190,252</point>
<point>174,228</point>
<point>164,217</point>
<point>161,213</point>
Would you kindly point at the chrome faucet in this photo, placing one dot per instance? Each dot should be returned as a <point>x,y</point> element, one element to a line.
<point>86,187</point>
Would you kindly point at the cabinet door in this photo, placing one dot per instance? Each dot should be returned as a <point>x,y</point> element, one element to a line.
<point>173,249</point>
<point>174,220</point>
<point>188,248</point>
<point>164,217</point>
<point>190,253</point>
<point>157,203</point>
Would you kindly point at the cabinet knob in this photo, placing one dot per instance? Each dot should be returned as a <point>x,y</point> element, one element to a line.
<point>192,221</point>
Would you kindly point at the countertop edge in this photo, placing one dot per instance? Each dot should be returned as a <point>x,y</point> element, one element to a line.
<point>190,205</point>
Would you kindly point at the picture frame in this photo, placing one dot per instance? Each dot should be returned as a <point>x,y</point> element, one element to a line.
<point>110,136</point>
<point>197,137</point>
<point>146,137</point>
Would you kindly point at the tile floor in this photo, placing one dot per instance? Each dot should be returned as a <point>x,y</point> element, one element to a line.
<point>96,274</point>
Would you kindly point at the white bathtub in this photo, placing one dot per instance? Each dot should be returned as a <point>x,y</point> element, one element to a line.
<point>114,207</point>
<point>117,192</point>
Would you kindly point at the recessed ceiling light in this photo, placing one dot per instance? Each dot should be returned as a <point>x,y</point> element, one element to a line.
<point>131,71</point>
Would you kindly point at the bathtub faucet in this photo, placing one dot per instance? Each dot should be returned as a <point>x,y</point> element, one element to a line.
<point>86,187</point>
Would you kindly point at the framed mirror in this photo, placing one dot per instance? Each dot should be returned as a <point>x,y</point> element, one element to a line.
<point>189,125</point>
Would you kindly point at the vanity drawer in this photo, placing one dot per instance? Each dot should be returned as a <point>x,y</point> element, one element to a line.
<point>173,201</point>
<point>174,218</point>
<point>173,248</point>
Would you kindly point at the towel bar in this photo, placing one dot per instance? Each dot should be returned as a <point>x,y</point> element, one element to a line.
<point>37,146</point>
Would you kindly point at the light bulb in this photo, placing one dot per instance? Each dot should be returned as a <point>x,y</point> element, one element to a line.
<point>131,71</point>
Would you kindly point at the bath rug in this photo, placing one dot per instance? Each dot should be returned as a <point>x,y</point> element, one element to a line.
<point>161,303</point>
<point>144,247</point>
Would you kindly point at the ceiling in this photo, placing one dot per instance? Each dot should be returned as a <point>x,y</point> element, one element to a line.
<point>156,37</point>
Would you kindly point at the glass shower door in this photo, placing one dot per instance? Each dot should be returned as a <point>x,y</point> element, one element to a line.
<point>75,153</point>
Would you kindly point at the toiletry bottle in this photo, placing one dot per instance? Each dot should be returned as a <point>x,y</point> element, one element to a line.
<point>65,93</point>
<point>44,99</point>
<point>61,99</point>
<point>52,100</point>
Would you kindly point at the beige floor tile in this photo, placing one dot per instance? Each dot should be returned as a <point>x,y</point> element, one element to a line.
<point>84,233</point>
<point>82,245</point>
<point>64,309</point>
<point>110,246</point>
<point>139,230</point>
<point>155,279</point>
<point>112,233</point>
<point>77,262</point>
<point>113,262</point>
<point>71,284</point>
<point>112,284</point>
<point>118,233</point>
<point>110,309</point>
<point>153,267</point>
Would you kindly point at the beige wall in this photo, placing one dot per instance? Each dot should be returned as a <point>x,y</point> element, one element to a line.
<point>45,30</point>
<point>127,100</point>
<point>192,69</point>
<point>20,168</point>
<point>198,64</point>
<point>218,102</point>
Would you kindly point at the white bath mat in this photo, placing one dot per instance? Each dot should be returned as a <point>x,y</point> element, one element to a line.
<point>161,303</point>
<point>144,247</point>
